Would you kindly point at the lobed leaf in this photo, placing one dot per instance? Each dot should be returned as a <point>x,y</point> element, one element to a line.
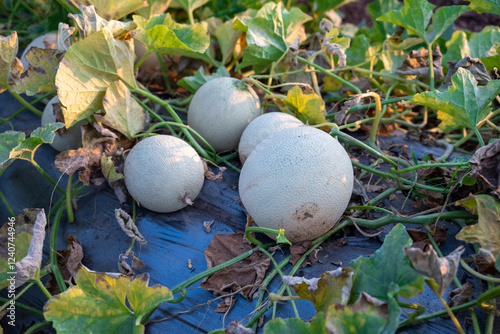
<point>98,303</point>
<point>112,9</point>
<point>464,104</point>
<point>442,18</point>
<point>485,6</point>
<point>481,43</point>
<point>84,75</point>
<point>194,82</point>
<point>8,51</point>
<point>296,326</point>
<point>308,107</point>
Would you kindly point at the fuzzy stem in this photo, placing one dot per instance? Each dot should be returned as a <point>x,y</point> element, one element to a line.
<point>430,165</point>
<point>26,104</point>
<point>477,274</point>
<point>430,56</point>
<point>69,207</point>
<point>479,137</point>
<point>43,288</point>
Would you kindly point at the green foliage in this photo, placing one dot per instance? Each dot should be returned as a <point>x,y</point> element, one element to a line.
<point>308,106</point>
<point>464,104</point>
<point>113,9</point>
<point>8,51</point>
<point>98,303</point>
<point>485,6</point>
<point>297,326</point>
<point>194,83</point>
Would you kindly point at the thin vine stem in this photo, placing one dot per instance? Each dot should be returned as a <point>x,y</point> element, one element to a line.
<point>69,206</point>
<point>53,250</point>
<point>7,205</point>
<point>26,104</point>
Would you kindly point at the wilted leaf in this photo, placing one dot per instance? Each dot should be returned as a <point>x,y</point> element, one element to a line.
<point>21,239</point>
<point>485,165</point>
<point>487,231</point>
<point>160,33</point>
<point>269,34</point>
<point>8,51</point>
<point>236,328</point>
<point>299,249</point>
<point>40,76</point>
<point>226,304</point>
<point>63,36</point>
<point>194,82</point>
<point>461,295</point>
<point>100,303</point>
<point>485,262</point>
<point>123,112</point>
<point>366,315</point>
<point>464,103</point>
<point>247,273</point>
<point>68,261</point>
<point>474,65</point>
<point>417,63</point>
<point>81,97</point>
<point>109,171</point>
<point>485,6</point>
<point>397,275</point>
<point>308,107</point>
<point>440,271</point>
<point>332,287</point>
<point>421,238</point>
<point>89,22</point>
<point>128,226</point>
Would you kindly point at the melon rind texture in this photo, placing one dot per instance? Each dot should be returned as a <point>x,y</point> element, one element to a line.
<point>300,180</point>
<point>262,127</point>
<point>72,137</point>
<point>162,170</point>
<point>220,111</point>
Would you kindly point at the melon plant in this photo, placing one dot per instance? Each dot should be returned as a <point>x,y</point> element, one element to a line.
<point>299,179</point>
<point>262,127</point>
<point>163,173</point>
<point>71,138</point>
<point>38,42</point>
<point>221,110</point>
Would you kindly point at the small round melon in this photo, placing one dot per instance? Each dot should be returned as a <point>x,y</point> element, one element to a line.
<point>38,42</point>
<point>299,179</point>
<point>163,173</point>
<point>72,137</point>
<point>263,127</point>
<point>220,110</point>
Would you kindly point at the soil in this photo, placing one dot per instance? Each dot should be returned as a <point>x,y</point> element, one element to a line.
<point>356,13</point>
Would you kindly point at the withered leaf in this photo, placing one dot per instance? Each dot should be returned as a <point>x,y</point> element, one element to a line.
<point>299,249</point>
<point>226,304</point>
<point>208,225</point>
<point>67,260</point>
<point>439,271</point>
<point>421,239</point>
<point>210,175</point>
<point>236,328</point>
<point>486,165</point>
<point>245,275</point>
<point>128,226</point>
<point>125,268</point>
<point>461,295</point>
<point>485,262</point>
<point>417,63</point>
<point>332,287</point>
<point>72,161</point>
<point>474,65</point>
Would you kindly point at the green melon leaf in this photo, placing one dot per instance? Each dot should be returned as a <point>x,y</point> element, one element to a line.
<point>380,29</point>
<point>297,326</point>
<point>188,5</point>
<point>8,141</point>
<point>269,34</point>
<point>464,103</point>
<point>332,287</point>
<point>155,7</point>
<point>307,106</point>
<point>485,6</point>
<point>26,234</point>
<point>487,230</point>
<point>326,5</point>
<point>40,76</point>
<point>482,43</point>
<point>8,51</point>
<point>456,48</point>
<point>113,9</point>
<point>397,276</point>
<point>194,82</point>
<point>98,303</point>
<point>161,34</point>
<point>442,18</point>
<point>227,37</point>
<point>123,112</point>
<point>81,97</point>
<point>491,62</point>
<point>344,42</point>
<point>89,22</point>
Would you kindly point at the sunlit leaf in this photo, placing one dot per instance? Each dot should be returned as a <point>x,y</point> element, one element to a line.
<point>308,107</point>
<point>112,9</point>
<point>297,326</point>
<point>21,240</point>
<point>456,48</point>
<point>485,6</point>
<point>228,38</point>
<point>487,231</point>
<point>123,112</point>
<point>465,103</point>
<point>193,83</point>
<point>98,303</point>
<point>40,76</point>
<point>387,270</point>
<point>440,270</point>
<point>89,22</point>
<point>332,287</point>
<point>481,43</point>
<point>84,75</point>
<point>491,62</point>
<point>442,18</point>
<point>155,7</point>
<point>8,51</point>
<point>188,5</point>
<point>161,33</point>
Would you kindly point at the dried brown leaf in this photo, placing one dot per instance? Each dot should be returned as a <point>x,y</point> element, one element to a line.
<point>128,226</point>
<point>474,65</point>
<point>299,249</point>
<point>212,176</point>
<point>417,63</point>
<point>486,165</point>
<point>421,239</point>
<point>125,268</point>
<point>485,262</point>
<point>440,271</point>
<point>247,273</point>
<point>461,295</point>
<point>236,328</point>
<point>67,260</point>
<point>208,225</point>
<point>226,304</point>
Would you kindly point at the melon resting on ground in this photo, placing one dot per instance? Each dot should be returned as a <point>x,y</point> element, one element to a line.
<point>221,110</point>
<point>300,180</point>
<point>163,173</point>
